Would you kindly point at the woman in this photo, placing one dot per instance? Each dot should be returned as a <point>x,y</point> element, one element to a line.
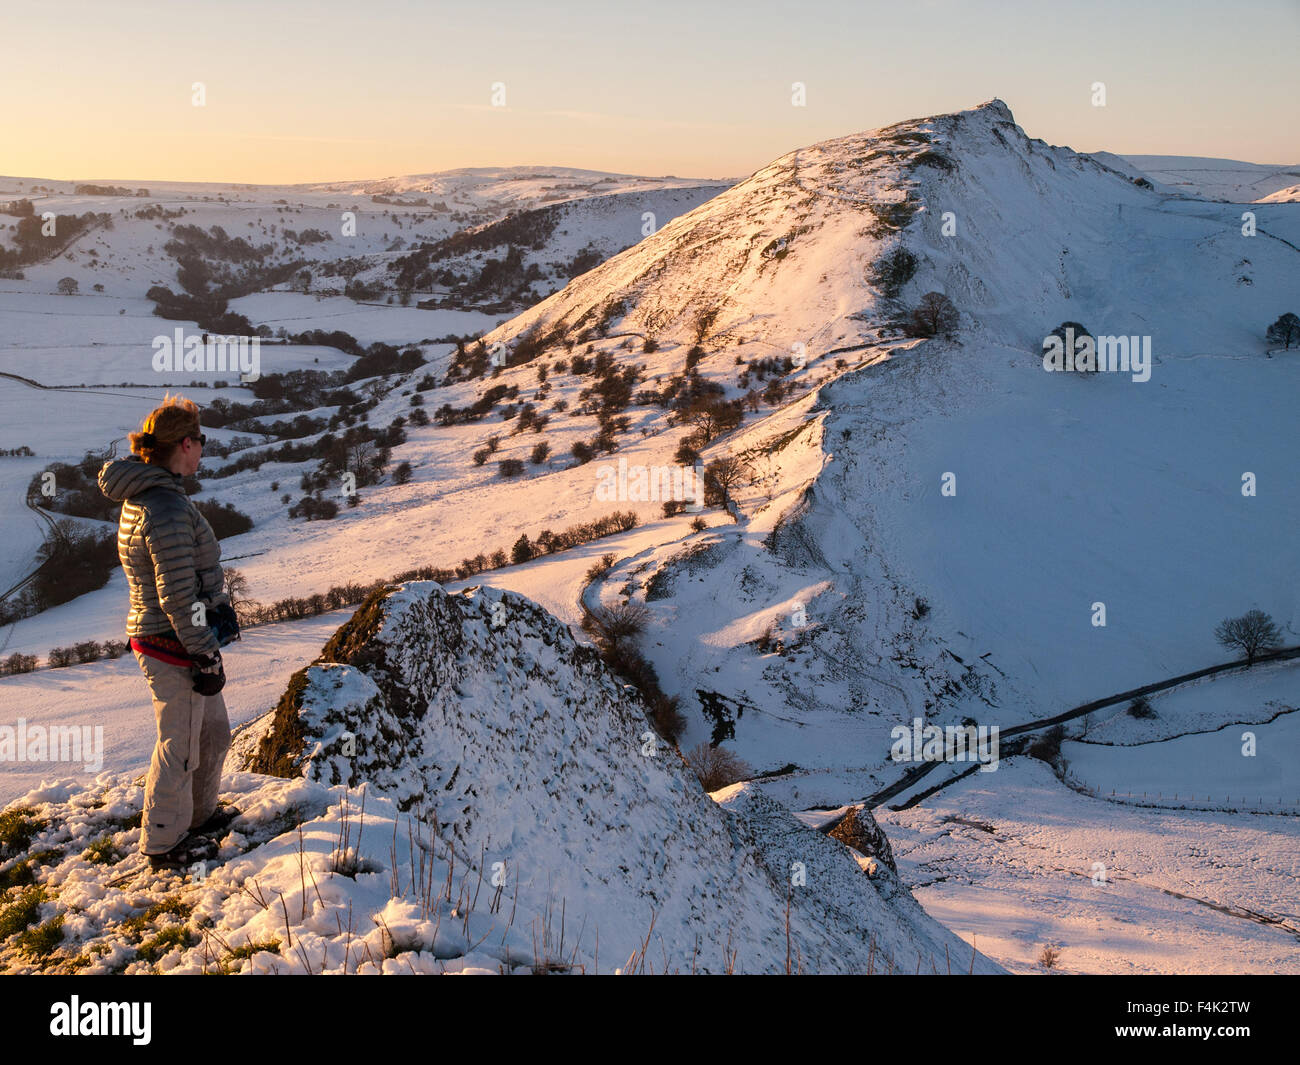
<point>179,618</point>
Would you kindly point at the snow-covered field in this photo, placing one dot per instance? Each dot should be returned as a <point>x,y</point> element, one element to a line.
<point>297,311</point>
<point>85,341</point>
<point>1223,743</point>
<point>1198,839</point>
<point>1010,862</point>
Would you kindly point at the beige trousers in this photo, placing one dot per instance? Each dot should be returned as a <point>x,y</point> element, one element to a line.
<point>180,790</point>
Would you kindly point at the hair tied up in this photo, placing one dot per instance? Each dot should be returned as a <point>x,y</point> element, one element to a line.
<point>147,440</point>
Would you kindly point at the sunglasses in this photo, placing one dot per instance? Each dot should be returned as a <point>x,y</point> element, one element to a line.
<point>201,438</point>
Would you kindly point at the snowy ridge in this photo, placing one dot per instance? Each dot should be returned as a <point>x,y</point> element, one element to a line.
<point>514,187</point>
<point>481,710</point>
<point>1038,229</point>
<point>783,257</point>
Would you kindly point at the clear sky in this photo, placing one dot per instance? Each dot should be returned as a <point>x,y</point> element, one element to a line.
<point>321,90</point>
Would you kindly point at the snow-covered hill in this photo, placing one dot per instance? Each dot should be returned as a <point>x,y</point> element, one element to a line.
<point>324,225</point>
<point>1219,179</point>
<point>1290,194</point>
<point>508,187</point>
<point>850,500</point>
<point>542,247</point>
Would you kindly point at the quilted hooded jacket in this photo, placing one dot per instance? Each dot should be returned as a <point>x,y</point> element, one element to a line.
<point>168,552</point>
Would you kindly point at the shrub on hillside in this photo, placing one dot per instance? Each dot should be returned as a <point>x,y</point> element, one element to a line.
<point>717,767</point>
<point>892,271</point>
<point>522,551</point>
<point>599,569</point>
<point>1079,332</point>
<point>224,518</point>
<point>1046,746</point>
<point>616,622</point>
<point>72,561</point>
<point>686,455</point>
<point>1141,707</point>
<point>18,663</point>
<point>1285,331</point>
<point>314,509</point>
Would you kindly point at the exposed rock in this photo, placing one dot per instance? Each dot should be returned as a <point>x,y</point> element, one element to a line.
<point>859,830</point>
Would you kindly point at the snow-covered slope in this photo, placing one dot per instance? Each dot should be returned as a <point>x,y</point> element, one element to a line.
<point>1020,236</point>
<point>1290,194</point>
<point>325,224</point>
<point>1218,179</point>
<point>519,758</point>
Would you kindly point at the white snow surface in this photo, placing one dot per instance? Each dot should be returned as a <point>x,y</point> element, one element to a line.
<point>1218,179</point>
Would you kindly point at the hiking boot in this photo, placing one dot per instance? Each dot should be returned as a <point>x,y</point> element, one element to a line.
<point>189,851</point>
<point>221,817</point>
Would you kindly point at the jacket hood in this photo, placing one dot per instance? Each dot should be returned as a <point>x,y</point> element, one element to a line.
<point>121,479</point>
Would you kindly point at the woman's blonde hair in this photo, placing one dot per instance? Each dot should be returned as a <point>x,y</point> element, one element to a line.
<point>164,428</point>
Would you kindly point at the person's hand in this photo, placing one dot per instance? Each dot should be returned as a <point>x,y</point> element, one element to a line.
<point>224,623</point>
<point>209,676</point>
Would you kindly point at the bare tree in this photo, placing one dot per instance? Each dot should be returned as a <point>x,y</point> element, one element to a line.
<point>618,622</point>
<point>68,285</point>
<point>365,461</point>
<point>712,418</point>
<point>237,592</point>
<point>1253,632</point>
<point>717,766</point>
<point>933,316</point>
<point>1285,331</point>
<point>704,417</point>
<point>722,475</point>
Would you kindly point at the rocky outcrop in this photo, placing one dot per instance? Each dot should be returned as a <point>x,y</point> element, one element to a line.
<point>858,829</point>
<point>483,718</point>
